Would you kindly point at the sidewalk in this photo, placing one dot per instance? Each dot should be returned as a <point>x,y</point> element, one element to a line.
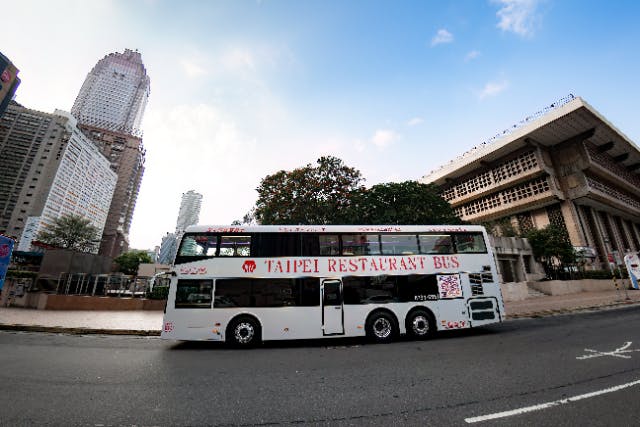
<point>144,322</point>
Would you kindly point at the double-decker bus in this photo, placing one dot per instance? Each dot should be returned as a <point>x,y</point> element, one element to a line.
<point>243,284</point>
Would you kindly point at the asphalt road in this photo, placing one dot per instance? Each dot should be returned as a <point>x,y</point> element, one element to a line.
<point>455,379</point>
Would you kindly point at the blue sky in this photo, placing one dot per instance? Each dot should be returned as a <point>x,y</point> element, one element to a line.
<point>242,89</point>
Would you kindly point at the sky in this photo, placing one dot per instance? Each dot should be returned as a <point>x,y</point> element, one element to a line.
<point>243,89</point>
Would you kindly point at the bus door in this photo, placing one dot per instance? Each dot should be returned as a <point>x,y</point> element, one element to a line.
<point>332,307</point>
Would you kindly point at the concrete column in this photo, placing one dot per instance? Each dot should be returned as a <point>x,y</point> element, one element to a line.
<point>601,235</point>
<point>590,235</point>
<point>635,228</point>
<point>571,220</point>
<point>616,234</point>
<point>629,234</point>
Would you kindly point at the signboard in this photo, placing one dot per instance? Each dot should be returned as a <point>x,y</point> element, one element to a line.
<point>6,247</point>
<point>632,261</point>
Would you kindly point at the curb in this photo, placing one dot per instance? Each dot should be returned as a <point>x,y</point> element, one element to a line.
<point>78,331</point>
<point>560,311</point>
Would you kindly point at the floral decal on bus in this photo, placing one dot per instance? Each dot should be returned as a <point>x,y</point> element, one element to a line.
<point>449,286</point>
<point>193,270</point>
<point>249,266</point>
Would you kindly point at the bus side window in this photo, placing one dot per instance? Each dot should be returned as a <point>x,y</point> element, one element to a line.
<point>360,244</point>
<point>329,244</point>
<point>235,246</point>
<point>470,243</point>
<point>399,244</point>
<point>193,293</point>
<point>435,244</point>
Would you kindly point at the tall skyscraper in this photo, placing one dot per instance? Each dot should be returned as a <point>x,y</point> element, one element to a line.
<point>189,210</point>
<point>188,214</point>
<point>109,109</point>
<point>114,94</point>
<point>50,169</point>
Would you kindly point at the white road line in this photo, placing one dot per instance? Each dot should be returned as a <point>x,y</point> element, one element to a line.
<point>548,404</point>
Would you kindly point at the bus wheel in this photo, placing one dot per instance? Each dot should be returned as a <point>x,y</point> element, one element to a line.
<point>243,332</point>
<point>381,327</point>
<point>420,324</point>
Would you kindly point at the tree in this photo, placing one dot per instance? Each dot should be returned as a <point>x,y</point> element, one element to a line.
<point>71,232</point>
<point>551,247</point>
<point>128,262</point>
<point>309,195</point>
<point>408,202</point>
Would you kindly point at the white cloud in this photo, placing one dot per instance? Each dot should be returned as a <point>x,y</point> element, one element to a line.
<point>239,59</point>
<point>191,69</point>
<point>382,138</point>
<point>442,36</point>
<point>493,89</point>
<point>517,16</point>
<point>415,121</point>
<point>471,55</point>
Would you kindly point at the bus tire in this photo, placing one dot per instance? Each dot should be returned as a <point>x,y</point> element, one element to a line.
<point>381,327</point>
<point>420,324</point>
<point>244,332</point>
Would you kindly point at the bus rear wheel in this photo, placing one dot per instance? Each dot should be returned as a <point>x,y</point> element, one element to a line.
<point>381,327</point>
<point>420,324</point>
<point>244,331</point>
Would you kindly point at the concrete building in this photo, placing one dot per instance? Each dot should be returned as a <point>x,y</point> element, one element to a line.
<point>110,107</point>
<point>50,169</point>
<point>127,156</point>
<point>168,249</point>
<point>565,165</point>
<point>189,213</point>
<point>9,82</point>
<point>114,94</point>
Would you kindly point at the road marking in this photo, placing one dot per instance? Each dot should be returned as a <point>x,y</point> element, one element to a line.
<point>548,405</point>
<point>618,352</point>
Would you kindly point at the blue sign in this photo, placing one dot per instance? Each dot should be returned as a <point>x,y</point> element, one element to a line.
<point>6,247</point>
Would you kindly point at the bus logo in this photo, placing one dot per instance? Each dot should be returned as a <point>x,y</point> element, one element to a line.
<point>249,266</point>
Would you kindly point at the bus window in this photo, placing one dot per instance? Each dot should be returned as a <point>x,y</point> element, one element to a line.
<point>329,244</point>
<point>360,244</point>
<point>309,245</point>
<point>194,293</point>
<point>200,245</point>
<point>369,290</point>
<point>235,246</point>
<point>469,243</point>
<point>399,244</point>
<point>276,244</point>
<point>266,292</point>
<point>435,244</point>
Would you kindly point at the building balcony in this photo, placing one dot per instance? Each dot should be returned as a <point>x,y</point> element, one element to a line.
<point>505,174</point>
<point>540,191</point>
<point>604,192</point>
<point>604,165</point>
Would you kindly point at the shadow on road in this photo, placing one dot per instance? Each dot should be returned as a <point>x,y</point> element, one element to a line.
<point>328,342</point>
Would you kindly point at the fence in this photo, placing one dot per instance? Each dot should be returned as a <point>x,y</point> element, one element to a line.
<point>97,285</point>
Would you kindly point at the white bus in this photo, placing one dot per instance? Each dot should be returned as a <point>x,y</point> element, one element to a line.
<point>243,284</point>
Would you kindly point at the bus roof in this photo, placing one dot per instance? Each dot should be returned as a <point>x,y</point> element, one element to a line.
<point>238,229</point>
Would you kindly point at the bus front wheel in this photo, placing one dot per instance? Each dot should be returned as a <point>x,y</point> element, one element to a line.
<point>381,327</point>
<point>243,331</point>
